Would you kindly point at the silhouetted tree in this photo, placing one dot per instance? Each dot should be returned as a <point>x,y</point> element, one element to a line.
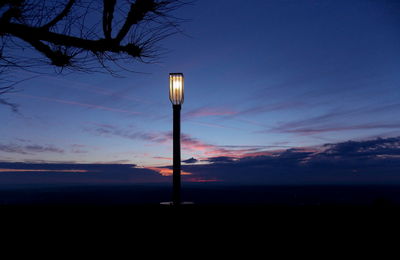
<point>82,35</point>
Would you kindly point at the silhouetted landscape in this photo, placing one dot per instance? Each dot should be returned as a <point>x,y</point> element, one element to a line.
<point>203,195</point>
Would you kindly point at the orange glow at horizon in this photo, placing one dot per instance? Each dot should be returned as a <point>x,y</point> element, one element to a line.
<point>166,171</point>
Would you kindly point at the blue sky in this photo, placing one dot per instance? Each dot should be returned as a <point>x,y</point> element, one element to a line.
<point>260,77</point>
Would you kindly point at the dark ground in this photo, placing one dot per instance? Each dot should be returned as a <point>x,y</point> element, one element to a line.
<point>220,201</point>
<point>203,195</point>
<point>270,212</point>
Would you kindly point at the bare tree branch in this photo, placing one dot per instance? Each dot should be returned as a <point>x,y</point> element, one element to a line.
<point>60,16</point>
<point>108,15</point>
<point>136,14</point>
<point>72,38</point>
<point>81,35</point>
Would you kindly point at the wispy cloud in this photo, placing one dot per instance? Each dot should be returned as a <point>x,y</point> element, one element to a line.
<point>263,108</point>
<point>340,113</point>
<point>133,134</point>
<point>42,170</point>
<point>191,145</point>
<point>163,158</point>
<point>334,121</point>
<point>78,148</point>
<point>27,147</point>
<point>214,125</point>
<point>207,150</point>
<point>40,148</point>
<point>74,103</point>
<point>188,143</point>
<point>237,113</point>
<point>335,128</point>
<point>209,111</point>
<point>30,148</point>
<point>111,94</point>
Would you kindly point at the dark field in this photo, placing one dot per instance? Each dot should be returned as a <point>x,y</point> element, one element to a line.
<point>202,195</point>
<point>217,209</point>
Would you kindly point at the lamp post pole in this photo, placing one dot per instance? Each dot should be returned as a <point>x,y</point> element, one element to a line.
<point>176,95</point>
<point>176,185</point>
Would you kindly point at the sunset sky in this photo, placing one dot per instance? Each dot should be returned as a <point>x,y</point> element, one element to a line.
<point>261,77</point>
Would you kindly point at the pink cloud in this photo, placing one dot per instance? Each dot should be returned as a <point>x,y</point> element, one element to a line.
<point>194,145</point>
<point>191,144</point>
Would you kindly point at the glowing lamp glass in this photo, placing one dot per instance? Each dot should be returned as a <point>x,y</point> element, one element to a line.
<point>176,88</point>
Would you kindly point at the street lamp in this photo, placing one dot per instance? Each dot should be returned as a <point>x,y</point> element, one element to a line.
<point>176,88</point>
<point>176,95</point>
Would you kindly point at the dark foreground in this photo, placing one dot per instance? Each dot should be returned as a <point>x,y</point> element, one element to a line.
<point>203,195</point>
<point>217,209</point>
